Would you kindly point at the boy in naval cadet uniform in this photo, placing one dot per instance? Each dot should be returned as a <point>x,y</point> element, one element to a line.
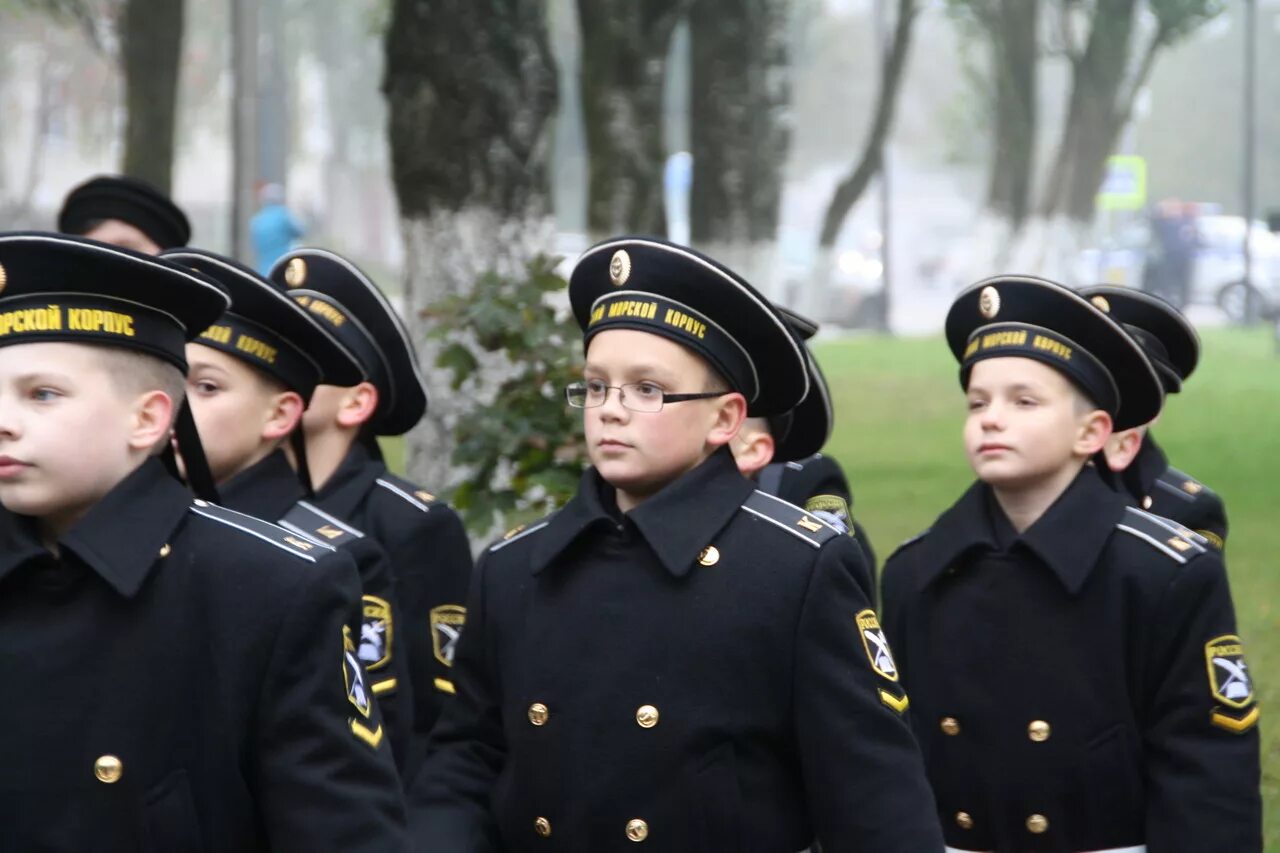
<point>252,374</point>
<point>180,677</point>
<point>1173,348</point>
<point>1076,678</point>
<point>673,659</point>
<point>425,542</point>
<point>124,211</point>
<point>783,453</point>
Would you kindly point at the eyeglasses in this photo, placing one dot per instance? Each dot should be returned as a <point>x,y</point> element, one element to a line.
<point>636,396</point>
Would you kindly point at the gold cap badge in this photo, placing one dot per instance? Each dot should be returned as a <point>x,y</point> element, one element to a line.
<point>295,273</point>
<point>620,268</point>
<point>1101,303</point>
<point>989,302</point>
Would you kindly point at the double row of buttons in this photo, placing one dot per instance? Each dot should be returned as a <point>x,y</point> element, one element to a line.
<point>1037,731</point>
<point>647,717</point>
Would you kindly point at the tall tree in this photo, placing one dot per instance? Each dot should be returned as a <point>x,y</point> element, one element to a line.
<point>1107,72</point>
<point>150,49</point>
<point>471,88</point>
<point>624,49</point>
<point>1009,30</point>
<point>738,131</point>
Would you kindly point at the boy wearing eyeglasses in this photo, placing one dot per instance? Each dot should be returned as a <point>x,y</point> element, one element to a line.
<point>674,658</point>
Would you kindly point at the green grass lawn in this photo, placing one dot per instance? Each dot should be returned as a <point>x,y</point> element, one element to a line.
<point>899,413</point>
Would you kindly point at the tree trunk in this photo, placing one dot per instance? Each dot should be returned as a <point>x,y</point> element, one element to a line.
<point>739,92</point>
<point>738,131</point>
<point>624,49</point>
<point>1015,59</point>
<point>852,187</point>
<point>471,88</point>
<point>150,49</point>
<point>1092,121</point>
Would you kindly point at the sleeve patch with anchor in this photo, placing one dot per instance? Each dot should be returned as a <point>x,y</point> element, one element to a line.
<point>367,726</point>
<point>876,645</point>
<point>376,633</point>
<point>832,509</point>
<point>447,621</point>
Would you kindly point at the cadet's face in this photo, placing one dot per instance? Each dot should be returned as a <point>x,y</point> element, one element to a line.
<point>1024,422</point>
<point>64,431</point>
<point>640,452</point>
<point>232,406</point>
<point>119,233</point>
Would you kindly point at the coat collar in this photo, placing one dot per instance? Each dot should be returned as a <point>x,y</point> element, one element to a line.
<point>1068,538</point>
<point>347,488</point>
<point>677,522</point>
<point>268,489</point>
<point>120,538</point>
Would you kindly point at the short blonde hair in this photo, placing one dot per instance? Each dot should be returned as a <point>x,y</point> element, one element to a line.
<point>133,373</point>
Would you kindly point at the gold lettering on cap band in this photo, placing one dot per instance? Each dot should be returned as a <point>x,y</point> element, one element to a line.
<point>1058,348</point>
<point>685,323</point>
<point>217,334</point>
<point>31,320</point>
<point>256,348</point>
<point>1004,339</point>
<point>1017,338</point>
<point>97,320</point>
<point>324,309</point>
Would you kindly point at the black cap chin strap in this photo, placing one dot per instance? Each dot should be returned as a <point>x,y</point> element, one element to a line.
<point>298,440</point>
<point>199,477</point>
<point>1104,470</point>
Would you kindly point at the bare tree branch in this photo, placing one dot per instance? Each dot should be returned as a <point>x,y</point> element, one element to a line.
<point>852,187</point>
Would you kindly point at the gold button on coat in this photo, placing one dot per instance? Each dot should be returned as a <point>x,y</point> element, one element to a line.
<point>949,726</point>
<point>542,826</point>
<point>963,820</point>
<point>647,716</point>
<point>1037,824</point>
<point>1146,502</point>
<point>1038,731</point>
<point>637,830</point>
<point>108,769</point>
<point>710,556</point>
<point>538,715</point>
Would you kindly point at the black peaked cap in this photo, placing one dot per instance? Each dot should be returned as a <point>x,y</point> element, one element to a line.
<point>130,200</point>
<point>652,285</point>
<point>807,428</point>
<point>1163,332</point>
<point>267,330</point>
<point>57,287</point>
<point>341,297</point>
<point>1029,317</point>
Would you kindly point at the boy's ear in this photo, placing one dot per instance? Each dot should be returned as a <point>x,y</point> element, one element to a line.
<point>730,412</point>
<point>1122,448</point>
<point>753,449</point>
<point>358,405</point>
<point>1093,430</point>
<point>152,420</point>
<point>284,414</point>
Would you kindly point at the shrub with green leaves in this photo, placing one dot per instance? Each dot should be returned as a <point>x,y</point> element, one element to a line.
<point>511,345</point>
